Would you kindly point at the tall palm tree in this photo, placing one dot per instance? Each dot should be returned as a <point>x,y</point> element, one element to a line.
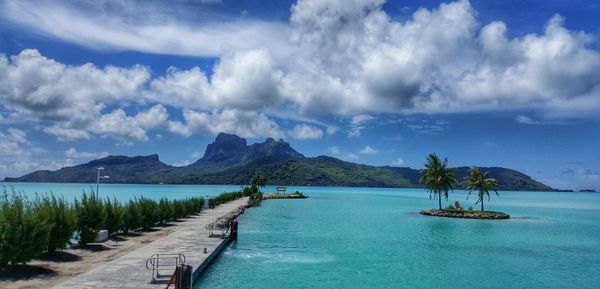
<point>438,178</point>
<point>258,181</point>
<point>478,181</point>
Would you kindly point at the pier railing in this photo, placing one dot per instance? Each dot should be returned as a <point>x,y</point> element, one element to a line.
<point>165,263</point>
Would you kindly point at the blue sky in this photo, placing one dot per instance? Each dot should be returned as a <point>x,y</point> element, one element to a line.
<point>489,83</point>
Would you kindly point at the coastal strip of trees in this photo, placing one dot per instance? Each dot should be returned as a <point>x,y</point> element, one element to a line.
<point>29,227</point>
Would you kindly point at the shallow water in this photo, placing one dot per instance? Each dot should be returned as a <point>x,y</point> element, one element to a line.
<point>374,238</point>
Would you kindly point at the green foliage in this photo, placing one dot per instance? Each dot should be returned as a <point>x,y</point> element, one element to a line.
<point>166,211</point>
<point>256,198</point>
<point>224,198</point>
<point>132,219</point>
<point>61,218</point>
<point>27,229</point>
<point>115,214</point>
<point>91,215</point>
<point>24,232</point>
<point>258,181</point>
<point>437,178</point>
<point>148,212</point>
<point>478,181</point>
<point>298,193</point>
<point>248,191</point>
<point>179,209</point>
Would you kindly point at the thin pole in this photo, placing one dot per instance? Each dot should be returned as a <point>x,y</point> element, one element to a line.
<point>97,184</point>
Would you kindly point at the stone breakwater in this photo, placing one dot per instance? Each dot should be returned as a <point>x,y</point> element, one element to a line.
<point>466,214</point>
<point>283,196</point>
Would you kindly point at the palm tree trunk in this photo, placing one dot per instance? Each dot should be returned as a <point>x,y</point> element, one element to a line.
<point>440,200</point>
<point>481,203</point>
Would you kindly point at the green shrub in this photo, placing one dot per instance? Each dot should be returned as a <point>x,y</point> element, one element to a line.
<point>24,232</point>
<point>255,199</point>
<point>179,209</point>
<point>131,218</point>
<point>91,215</point>
<point>148,212</point>
<point>61,218</point>
<point>224,198</point>
<point>166,211</point>
<point>115,213</point>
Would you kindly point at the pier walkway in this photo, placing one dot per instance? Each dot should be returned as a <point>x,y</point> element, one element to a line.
<point>189,239</point>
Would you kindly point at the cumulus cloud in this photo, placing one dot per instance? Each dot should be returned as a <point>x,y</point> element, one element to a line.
<point>342,58</point>
<point>304,131</point>
<point>398,162</point>
<point>368,150</point>
<point>242,123</point>
<point>334,150</point>
<point>72,153</point>
<point>13,143</point>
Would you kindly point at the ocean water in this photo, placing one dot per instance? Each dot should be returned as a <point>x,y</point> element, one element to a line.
<point>122,192</point>
<point>375,238</point>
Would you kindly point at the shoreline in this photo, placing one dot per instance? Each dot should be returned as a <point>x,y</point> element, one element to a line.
<point>466,214</point>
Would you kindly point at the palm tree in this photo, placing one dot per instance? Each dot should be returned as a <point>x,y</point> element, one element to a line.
<point>258,181</point>
<point>478,181</point>
<point>438,178</point>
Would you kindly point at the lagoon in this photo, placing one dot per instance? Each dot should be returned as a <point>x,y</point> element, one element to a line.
<point>375,238</point>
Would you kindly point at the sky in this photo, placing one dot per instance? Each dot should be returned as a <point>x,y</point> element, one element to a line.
<point>509,83</point>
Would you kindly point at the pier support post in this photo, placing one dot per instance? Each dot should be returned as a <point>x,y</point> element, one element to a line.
<point>234,231</point>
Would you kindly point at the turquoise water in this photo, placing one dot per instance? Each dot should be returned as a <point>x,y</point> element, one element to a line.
<point>123,192</point>
<point>375,238</point>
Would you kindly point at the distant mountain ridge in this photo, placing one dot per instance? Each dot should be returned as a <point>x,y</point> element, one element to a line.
<point>230,160</point>
<point>228,150</point>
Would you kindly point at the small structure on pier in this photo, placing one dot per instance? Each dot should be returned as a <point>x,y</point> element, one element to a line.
<point>281,190</point>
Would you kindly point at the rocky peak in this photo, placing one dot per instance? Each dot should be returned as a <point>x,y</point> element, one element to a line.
<point>229,150</point>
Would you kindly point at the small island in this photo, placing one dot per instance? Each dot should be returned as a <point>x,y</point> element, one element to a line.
<point>466,214</point>
<point>439,180</point>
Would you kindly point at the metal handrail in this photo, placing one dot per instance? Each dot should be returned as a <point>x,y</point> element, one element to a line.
<point>157,262</point>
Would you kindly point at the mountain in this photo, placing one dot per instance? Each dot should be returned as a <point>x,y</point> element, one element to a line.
<point>228,150</point>
<point>230,160</point>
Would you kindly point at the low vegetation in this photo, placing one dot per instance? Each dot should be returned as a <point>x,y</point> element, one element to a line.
<point>438,179</point>
<point>28,228</point>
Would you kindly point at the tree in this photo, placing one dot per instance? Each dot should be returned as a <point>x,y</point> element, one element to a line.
<point>438,178</point>
<point>258,181</point>
<point>478,181</point>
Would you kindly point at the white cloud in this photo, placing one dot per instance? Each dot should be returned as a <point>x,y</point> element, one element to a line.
<point>197,155</point>
<point>331,130</point>
<point>13,143</point>
<point>334,150</point>
<point>148,26</point>
<point>183,163</point>
<point>356,124</point>
<point>350,157</point>
<point>304,131</point>
<point>368,150</point>
<point>526,120</point>
<point>341,58</point>
<point>242,123</point>
<point>398,162</point>
<point>72,153</point>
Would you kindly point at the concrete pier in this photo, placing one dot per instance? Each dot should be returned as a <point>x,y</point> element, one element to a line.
<point>129,271</point>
